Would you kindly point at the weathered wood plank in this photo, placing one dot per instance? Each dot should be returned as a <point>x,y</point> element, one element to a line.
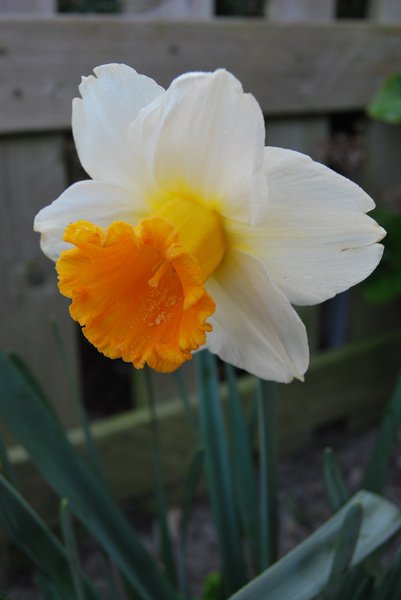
<point>177,9</point>
<point>381,174</point>
<point>348,384</point>
<point>32,175</point>
<point>291,69</point>
<point>28,6</point>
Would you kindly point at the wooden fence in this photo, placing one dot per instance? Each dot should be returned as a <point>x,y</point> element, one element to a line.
<point>301,64</point>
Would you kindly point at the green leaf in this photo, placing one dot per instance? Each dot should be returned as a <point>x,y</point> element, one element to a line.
<point>32,383</point>
<point>192,481</point>
<point>303,573</point>
<point>46,587</point>
<point>243,468</point>
<point>267,400</point>
<point>184,397</point>
<point>6,468</point>
<point>27,530</point>
<point>71,478</point>
<point>357,579</point>
<point>345,545</point>
<point>389,586</point>
<point>385,442</point>
<point>218,472</point>
<point>384,284</point>
<point>334,484</point>
<point>386,105</point>
<point>165,537</point>
<point>76,398</point>
<point>72,550</point>
<point>213,587</point>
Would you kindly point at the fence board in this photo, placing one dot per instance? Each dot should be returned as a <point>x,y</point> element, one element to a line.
<point>381,170</point>
<point>291,69</point>
<point>32,174</point>
<point>177,9</point>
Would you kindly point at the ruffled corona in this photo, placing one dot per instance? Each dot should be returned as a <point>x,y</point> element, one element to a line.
<point>136,291</point>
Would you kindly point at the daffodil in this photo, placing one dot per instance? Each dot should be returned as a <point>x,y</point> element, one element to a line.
<point>191,232</point>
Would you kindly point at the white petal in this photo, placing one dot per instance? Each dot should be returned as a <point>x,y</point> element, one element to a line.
<point>110,102</point>
<point>100,203</point>
<point>205,137</point>
<point>254,326</point>
<point>313,238</point>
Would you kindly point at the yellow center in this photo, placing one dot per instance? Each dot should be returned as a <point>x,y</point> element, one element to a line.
<point>138,291</point>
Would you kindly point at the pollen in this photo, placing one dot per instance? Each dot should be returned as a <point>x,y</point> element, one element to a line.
<point>136,291</point>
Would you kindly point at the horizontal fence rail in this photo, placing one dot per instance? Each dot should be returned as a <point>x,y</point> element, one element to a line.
<point>292,69</point>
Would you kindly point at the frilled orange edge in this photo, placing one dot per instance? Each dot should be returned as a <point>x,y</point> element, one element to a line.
<point>136,293</point>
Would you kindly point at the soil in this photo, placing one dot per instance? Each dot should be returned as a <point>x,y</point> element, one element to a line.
<point>303,507</point>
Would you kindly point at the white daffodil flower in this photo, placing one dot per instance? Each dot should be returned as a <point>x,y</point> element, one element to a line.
<point>191,232</point>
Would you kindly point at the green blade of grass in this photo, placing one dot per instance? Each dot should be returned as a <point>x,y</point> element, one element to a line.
<point>71,478</point>
<point>183,396</point>
<point>72,550</point>
<point>191,483</point>
<point>218,472</point>
<point>303,573</point>
<point>389,586</point>
<point>6,468</point>
<point>269,526</point>
<point>27,530</point>
<point>336,490</point>
<point>46,587</point>
<point>243,469</point>
<point>32,383</point>
<point>345,545</point>
<point>76,397</point>
<point>165,537</point>
<point>377,466</point>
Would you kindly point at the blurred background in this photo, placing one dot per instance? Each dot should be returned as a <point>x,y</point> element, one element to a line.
<point>314,66</point>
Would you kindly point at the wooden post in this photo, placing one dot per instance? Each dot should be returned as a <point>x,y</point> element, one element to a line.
<point>381,178</point>
<point>381,170</point>
<point>32,174</point>
<point>306,134</point>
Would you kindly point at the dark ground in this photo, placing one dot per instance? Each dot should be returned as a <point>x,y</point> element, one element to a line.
<point>303,507</point>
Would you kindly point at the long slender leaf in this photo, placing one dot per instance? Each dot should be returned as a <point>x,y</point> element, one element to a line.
<point>6,468</point>
<point>183,395</point>
<point>27,530</point>
<point>344,549</point>
<point>218,472</point>
<point>336,490</point>
<point>303,573</point>
<point>46,587</point>
<point>70,477</point>
<point>364,590</point>
<point>390,583</point>
<point>269,525</point>
<point>32,383</point>
<point>165,537</point>
<point>243,468</point>
<point>76,397</point>
<point>385,442</point>
<point>72,550</point>
<point>356,580</point>
<point>191,483</point>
